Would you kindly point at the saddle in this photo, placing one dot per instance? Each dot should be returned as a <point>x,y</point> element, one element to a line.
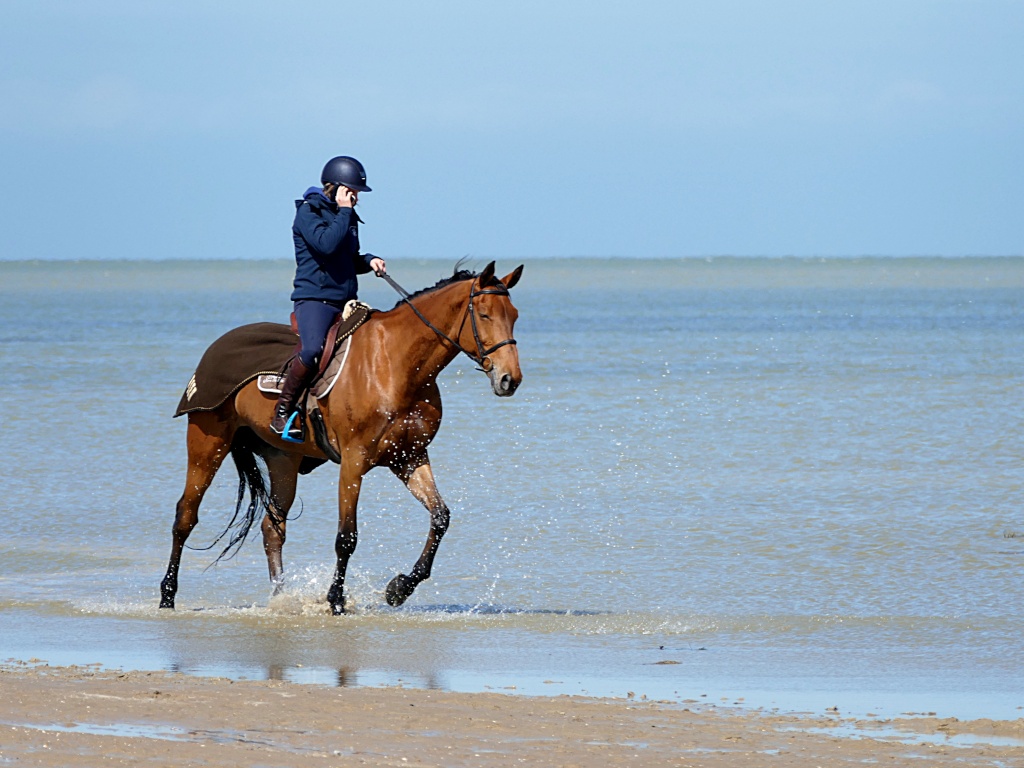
<point>263,349</point>
<point>335,353</point>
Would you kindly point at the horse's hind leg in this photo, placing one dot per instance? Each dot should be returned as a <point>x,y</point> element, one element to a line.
<point>284,473</point>
<point>420,482</point>
<point>209,442</point>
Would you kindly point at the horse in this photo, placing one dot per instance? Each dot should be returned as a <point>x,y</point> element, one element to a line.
<point>383,411</point>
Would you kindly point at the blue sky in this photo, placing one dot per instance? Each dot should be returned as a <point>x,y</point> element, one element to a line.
<point>185,130</point>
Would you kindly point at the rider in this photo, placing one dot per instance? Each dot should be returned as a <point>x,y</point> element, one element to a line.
<point>327,258</point>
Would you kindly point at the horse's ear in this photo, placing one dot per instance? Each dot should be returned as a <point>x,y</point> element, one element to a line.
<point>513,278</point>
<point>487,275</point>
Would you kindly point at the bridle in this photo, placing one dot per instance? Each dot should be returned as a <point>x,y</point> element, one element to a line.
<point>482,357</point>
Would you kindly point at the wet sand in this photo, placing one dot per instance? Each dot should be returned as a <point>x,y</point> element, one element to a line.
<point>80,716</point>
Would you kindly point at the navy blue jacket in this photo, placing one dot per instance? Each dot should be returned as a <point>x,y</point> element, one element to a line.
<point>327,257</point>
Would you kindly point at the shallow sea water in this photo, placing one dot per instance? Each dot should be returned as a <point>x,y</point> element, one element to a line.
<point>789,483</point>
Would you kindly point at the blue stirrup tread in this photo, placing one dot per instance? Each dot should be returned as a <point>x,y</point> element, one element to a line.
<point>290,426</point>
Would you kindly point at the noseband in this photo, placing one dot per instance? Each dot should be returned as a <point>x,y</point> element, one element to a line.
<point>482,357</point>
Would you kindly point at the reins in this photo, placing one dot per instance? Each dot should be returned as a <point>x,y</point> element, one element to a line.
<point>482,358</point>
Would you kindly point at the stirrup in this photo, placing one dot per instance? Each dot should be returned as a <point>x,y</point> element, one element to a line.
<point>294,431</point>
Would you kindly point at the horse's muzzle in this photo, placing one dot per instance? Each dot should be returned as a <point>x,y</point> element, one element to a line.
<point>504,384</point>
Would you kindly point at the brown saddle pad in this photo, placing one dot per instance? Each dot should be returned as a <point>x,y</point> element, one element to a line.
<point>242,354</point>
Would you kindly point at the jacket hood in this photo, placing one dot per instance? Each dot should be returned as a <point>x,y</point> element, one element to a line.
<point>316,198</point>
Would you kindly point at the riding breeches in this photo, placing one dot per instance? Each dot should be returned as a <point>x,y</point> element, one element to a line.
<point>314,319</point>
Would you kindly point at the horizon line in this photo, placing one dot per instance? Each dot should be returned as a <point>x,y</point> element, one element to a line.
<point>689,257</point>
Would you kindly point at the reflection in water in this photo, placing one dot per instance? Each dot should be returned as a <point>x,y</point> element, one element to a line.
<point>487,609</point>
<point>340,677</point>
<point>895,733</point>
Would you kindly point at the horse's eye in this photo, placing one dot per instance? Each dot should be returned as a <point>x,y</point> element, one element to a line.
<point>484,316</point>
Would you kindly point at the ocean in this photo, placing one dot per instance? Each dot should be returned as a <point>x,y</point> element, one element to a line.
<point>767,482</point>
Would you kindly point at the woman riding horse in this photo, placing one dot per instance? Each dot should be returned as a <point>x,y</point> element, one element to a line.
<point>383,411</point>
<point>327,261</point>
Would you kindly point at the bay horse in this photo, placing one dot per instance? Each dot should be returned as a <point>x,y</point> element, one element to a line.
<point>383,411</point>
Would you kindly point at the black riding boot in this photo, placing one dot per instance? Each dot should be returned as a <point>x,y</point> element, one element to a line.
<point>296,380</point>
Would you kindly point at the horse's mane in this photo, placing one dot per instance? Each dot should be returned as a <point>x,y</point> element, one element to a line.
<point>458,275</point>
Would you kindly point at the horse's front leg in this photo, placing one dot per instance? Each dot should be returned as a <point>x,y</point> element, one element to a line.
<point>420,482</point>
<point>348,534</point>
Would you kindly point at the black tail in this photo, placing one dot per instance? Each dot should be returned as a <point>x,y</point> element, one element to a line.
<point>245,450</point>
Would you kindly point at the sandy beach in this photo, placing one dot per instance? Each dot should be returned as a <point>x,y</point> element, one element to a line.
<point>81,716</point>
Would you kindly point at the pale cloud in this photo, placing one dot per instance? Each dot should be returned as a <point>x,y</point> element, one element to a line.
<point>116,105</point>
<point>102,104</point>
<point>99,104</point>
<point>911,93</point>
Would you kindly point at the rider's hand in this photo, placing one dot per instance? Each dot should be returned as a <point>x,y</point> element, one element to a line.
<point>378,266</point>
<point>346,198</point>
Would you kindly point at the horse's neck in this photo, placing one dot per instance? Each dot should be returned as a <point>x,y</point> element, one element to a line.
<point>412,344</point>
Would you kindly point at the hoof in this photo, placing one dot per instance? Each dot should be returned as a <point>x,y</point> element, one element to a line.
<point>336,599</point>
<point>168,591</point>
<point>399,589</point>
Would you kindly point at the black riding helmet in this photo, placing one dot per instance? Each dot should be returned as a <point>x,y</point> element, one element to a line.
<point>346,171</point>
